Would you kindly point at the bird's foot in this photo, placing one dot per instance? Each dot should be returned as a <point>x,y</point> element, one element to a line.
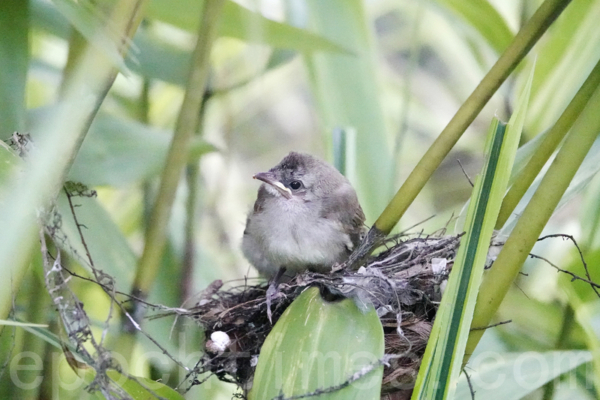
<point>272,293</point>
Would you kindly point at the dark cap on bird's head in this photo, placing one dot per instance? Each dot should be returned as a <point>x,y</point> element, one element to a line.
<point>300,175</point>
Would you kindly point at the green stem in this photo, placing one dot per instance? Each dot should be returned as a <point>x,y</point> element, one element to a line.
<point>39,183</point>
<point>413,62</point>
<point>535,216</point>
<point>527,175</point>
<point>192,176</point>
<point>176,158</point>
<point>14,58</point>
<point>434,156</point>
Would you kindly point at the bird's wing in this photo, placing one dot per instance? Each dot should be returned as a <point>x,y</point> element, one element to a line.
<point>258,207</point>
<point>343,206</point>
<point>260,199</point>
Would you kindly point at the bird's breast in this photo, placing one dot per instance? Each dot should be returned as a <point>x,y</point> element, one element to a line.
<point>292,234</point>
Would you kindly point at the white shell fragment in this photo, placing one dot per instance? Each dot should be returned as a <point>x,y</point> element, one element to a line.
<point>438,265</point>
<point>218,342</point>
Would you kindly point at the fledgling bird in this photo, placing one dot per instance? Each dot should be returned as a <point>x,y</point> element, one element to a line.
<point>306,216</point>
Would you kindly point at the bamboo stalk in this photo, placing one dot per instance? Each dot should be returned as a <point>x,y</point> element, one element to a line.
<point>535,216</point>
<point>520,46</point>
<point>187,121</point>
<point>528,174</point>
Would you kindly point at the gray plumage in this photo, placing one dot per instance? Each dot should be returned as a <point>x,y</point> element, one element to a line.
<point>306,216</point>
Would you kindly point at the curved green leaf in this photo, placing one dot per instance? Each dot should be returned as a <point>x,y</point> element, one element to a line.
<point>317,345</point>
<point>482,16</point>
<point>513,376</point>
<point>118,151</point>
<point>143,388</point>
<point>242,23</point>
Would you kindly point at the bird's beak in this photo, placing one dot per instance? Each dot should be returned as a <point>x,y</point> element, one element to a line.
<point>269,178</point>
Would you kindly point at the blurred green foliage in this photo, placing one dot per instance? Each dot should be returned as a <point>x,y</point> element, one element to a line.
<point>283,75</point>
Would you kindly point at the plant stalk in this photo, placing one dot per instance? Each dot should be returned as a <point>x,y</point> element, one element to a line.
<point>535,216</point>
<point>527,175</point>
<point>43,175</point>
<point>520,46</point>
<point>186,125</point>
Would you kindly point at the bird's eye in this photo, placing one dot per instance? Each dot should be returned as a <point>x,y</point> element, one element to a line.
<point>295,185</point>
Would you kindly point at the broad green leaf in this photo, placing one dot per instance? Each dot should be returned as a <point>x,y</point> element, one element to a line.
<point>8,161</point>
<point>51,338</point>
<point>443,359</point>
<point>142,388</point>
<point>45,16</point>
<point>347,92</point>
<point>14,59</point>
<point>482,16</point>
<point>535,324</point>
<point>107,245</point>
<point>137,388</point>
<point>242,23</point>
<point>511,376</point>
<point>157,59</point>
<point>587,314</point>
<point>582,298</point>
<point>563,62</point>
<point>318,344</point>
<point>118,151</point>
<point>588,170</point>
<point>88,19</point>
<point>111,153</point>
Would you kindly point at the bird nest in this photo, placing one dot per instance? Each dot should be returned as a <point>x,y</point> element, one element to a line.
<point>403,282</point>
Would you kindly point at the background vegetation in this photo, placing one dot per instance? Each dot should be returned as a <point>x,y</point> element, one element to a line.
<point>282,75</point>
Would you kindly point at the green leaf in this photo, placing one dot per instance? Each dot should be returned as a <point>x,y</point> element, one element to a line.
<point>318,344</point>
<point>110,154</point>
<point>87,18</point>
<point>8,161</point>
<point>159,60</point>
<point>14,60</point>
<point>564,60</point>
<point>142,388</point>
<point>138,388</point>
<point>482,16</point>
<point>586,172</point>
<point>514,375</point>
<point>443,359</point>
<point>8,322</point>
<point>107,245</point>
<point>347,91</point>
<point>242,23</point>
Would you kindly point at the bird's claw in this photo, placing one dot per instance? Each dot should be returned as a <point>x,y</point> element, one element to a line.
<point>272,293</point>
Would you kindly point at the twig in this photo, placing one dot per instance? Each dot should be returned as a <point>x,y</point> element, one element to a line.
<point>585,266</point>
<point>353,378</point>
<point>491,326</point>
<point>106,282</point>
<point>465,173</point>
<point>575,277</point>
<point>469,383</point>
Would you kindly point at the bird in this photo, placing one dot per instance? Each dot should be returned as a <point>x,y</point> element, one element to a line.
<point>306,217</point>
